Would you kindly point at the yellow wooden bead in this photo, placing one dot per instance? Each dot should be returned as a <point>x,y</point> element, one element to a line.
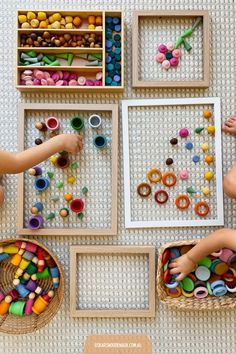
<point>69,26</point>
<point>206,191</point>
<point>50,19</point>
<point>211,129</point>
<point>56,25</point>
<point>43,24</point>
<point>34,23</point>
<point>54,159</point>
<point>68,197</point>
<point>71,179</point>
<point>31,15</point>
<point>91,27</point>
<point>69,19</point>
<point>63,22</point>
<point>209,175</point>
<point>205,147</point>
<point>209,159</point>
<point>22,18</point>
<point>56,17</point>
<point>42,16</point>
<point>25,25</point>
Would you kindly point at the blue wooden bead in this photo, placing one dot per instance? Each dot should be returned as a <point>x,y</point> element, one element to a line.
<point>3,256</point>
<point>117,51</point>
<point>117,28</point>
<point>117,66</point>
<point>118,57</point>
<point>117,44</point>
<point>108,59</point>
<point>108,19</point>
<point>196,158</point>
<point>116,78</point>
<point>114,83</point>
<point>116,20</point>
<point>117,37</point>
<point>189,145</point>
<point>108,80</point>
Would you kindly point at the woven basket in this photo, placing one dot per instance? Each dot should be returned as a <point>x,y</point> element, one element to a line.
<point>182,302</point>
<point>21,325</point>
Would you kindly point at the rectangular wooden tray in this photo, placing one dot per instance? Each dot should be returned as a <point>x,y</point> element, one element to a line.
<point>139,83</point>
<point>113,109</point>
<point>82,70</point>
<point>112,250</point>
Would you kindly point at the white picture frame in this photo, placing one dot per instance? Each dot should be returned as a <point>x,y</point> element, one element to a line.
<point>219,220</point>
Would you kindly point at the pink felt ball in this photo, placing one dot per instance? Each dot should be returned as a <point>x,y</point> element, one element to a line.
<point>162,48</point>
<point>39,75</point>
<point>170,46</point>
<point>29,83</point>
<point>160,57</point>
<point>176,53</point>
<point>174,61</point>
<point>55,77</point>
<point>183,133</point>
<point>50,82</point>
<point>65,83</point>
<point>184,174</point>
<point>60,73</point>
<point>44,82</point>
<point>166,64</point>
<point>81,80</point>
<point>89,82</point>
<point>99,76</point>
<point>72,83</point>
<point>73,76</point>
<point>59,83</point>
<point>46,75</point>
<point>37,82</point>
<point>66,75</point>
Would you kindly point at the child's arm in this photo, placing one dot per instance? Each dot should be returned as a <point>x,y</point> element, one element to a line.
<point>16,163</point>
<point>223,238</point>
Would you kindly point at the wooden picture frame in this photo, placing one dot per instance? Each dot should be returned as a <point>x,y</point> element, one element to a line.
<point>215,101</point>
<point>79,69</point>
<point>137,83</point>
<point>113,108</point>
<point>112,250</point>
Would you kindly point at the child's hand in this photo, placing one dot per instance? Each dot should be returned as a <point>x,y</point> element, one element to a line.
<point>72,143</point>
<point>182,265</point>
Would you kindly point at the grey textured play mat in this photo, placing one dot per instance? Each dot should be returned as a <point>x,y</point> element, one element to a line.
<point>170,331</point>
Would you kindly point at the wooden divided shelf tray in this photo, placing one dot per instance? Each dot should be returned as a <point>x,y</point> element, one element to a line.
<point>80,59</point>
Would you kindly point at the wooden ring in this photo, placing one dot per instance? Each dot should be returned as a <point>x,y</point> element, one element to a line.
<point>140,188</point>
<point>171,293</point>
<point>167,175</point>
<point>197,207</point>
<point>182,197</point>
<point>152,172</point>
<point>161,192</point>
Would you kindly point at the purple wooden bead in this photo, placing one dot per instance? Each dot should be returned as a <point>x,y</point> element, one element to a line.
<point>37,82</point>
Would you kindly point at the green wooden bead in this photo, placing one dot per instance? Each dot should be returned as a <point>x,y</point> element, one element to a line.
<point>70,59</point>
<point>44,274</point>
<point>191,190</point>
<point>84,190</point>
<point>178,42</point>
<point>187,46</point>
<point>74,165</point>
<point>50,174</point>
<point>187,33</point>
<point>198,130</point>
<point>59,184</point>
<point>50,216</point>
<point>80,216</point>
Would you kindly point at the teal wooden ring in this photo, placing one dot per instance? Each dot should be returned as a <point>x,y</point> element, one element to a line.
<point>100,141</point>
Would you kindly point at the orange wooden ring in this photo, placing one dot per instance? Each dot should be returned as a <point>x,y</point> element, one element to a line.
<point>182,197</point>
<point>170,292</point>
<point>152,172</point>
<point>197,207</point>
<point>167,175</point>
<point>142,186</point>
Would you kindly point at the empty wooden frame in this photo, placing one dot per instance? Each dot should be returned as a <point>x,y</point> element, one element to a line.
<point>113,108</point>
<point>112,250</point>
<point>137,82</point>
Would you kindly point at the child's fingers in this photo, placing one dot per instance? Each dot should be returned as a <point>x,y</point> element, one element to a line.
<point>173,265</point>
<point>174,270</point>
<point>180,277</point>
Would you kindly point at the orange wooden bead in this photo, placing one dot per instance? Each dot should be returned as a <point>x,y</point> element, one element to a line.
<point>92,20</point>
<point>207,114</point>
<point>77,21</point>
<point>98,21</point>
<point>5,304</point>
<point>68,197</point>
